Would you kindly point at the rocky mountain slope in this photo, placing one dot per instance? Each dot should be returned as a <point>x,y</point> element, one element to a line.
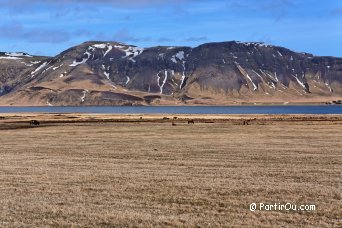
<point>111,73</point>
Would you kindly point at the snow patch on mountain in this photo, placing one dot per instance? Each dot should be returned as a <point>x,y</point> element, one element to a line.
<point>299,81</point>
<point>179,55</point>
<point>255,44</point>
<point>10,57</point>
<point>110,47</point>
<point>84,60</point>
<point>55,68</point>
<point>84,92</point>
<point>17,54</point>
<point>38,68</point>
<point>254,86</point>
<point>127,80</point>
<point>102,46</point>
<point>131,52</point>
<point>161,86</point>
<point>106,74</point>
<point>330,89</point>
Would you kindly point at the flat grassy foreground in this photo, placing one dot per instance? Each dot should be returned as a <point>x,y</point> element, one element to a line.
<point>108,174</point>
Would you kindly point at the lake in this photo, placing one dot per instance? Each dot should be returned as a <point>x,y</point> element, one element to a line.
<point>284,109</point>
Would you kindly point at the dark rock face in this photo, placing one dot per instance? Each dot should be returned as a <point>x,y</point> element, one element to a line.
<point>229,70</point>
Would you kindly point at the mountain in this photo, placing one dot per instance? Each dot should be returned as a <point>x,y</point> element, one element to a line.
<point>112,73</point>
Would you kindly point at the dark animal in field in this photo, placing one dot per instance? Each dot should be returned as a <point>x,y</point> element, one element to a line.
<point>173,123</point>
<point>191,122</point>
<point>34,122</point>
<point>245,122</point>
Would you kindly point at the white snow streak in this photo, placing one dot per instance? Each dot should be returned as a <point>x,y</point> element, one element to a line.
<point>275,76</point>
<point>244,72</point>
<point>127,80</point>
<point>110,47</point>
<point>329,87</point>
<point>18,54</point>
<point>47,69</point>
<point>179,55</point>
<point>257,74</point>
<point>84,95</point>
<point>102,46</point>
<point>260,44</point>
<point>26,64</point>
<point>39,68</point>
<point>299,82</point>
<point>63,74</point>
<point>269,75</point>
<point>164,81</point>
<point>48,103</point>
<point>183,75</point>
<point>82,62</point>
<point>10,57</point>
<point>130,51</point>
<point>174,59</point>
<point>55,68</point>
<point>249,78</point>
<point>182,82</point>
<point>106,74</point>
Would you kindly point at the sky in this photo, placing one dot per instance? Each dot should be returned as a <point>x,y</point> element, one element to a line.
<point>48,27</point>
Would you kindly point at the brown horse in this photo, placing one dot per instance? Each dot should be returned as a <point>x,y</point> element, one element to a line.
<point>191,122</point>
<point>245,122</point>
<point>34,122</point>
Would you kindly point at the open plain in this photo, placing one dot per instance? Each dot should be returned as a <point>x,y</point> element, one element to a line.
<point>140,170</point>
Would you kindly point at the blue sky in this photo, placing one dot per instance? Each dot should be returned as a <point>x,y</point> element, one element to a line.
<point>47,27</point>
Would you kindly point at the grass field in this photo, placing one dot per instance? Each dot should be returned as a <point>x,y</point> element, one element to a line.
<point>103,174</point>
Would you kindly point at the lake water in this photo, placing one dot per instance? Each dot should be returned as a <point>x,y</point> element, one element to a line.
<point>324,109</point>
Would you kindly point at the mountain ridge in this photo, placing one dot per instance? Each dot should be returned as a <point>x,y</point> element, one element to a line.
<point>114,73</point>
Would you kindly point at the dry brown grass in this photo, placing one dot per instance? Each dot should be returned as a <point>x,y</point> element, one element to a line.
<point>155,174</point>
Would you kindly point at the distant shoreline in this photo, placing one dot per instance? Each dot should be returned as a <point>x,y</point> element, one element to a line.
<point>332,102</point>
<point>55,118</point>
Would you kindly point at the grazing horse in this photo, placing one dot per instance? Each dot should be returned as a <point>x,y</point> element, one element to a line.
<point>34,122</point>
<point>245,122</point>
<point>191,122</point>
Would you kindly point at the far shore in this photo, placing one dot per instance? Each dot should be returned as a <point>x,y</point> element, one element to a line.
<point>13,119</point>
<point>189,104</point>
